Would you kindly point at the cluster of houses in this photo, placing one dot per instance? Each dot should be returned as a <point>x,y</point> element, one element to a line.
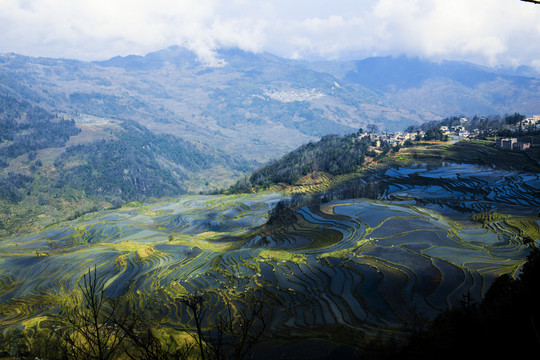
<point>507,143</point>
<point>459,130</point>
<point>397,138</point>
<point>531,122</point>
<point>512,144</point>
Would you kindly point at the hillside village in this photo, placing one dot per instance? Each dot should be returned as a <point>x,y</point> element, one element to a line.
<point>512,143</point>
<point>456,132</point>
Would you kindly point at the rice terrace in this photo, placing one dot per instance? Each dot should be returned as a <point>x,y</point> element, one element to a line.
<point>269,180</point>
<point>435,235</point>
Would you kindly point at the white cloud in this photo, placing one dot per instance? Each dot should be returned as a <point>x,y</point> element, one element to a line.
<point>484,31</point>
<point>477,30</point>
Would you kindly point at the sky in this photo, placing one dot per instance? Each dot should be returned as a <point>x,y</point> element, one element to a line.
<point>486,32</point>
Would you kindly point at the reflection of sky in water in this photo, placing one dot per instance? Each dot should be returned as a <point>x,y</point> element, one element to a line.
<point>410,255</point>
<point>449,170</point>
<point>475,188</point>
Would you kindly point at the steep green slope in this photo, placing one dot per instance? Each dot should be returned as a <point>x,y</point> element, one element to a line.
<point>333,154</point>
<point>136,165</point>
<point>51,168</point>
<point>25,128</point>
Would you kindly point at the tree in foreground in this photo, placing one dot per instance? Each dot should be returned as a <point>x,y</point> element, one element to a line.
<point>236,327</point>
<point>95,328</point>
<point>504,325</point>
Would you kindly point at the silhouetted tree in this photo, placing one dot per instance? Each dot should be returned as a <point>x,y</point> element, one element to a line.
<point>240,326</point>
<point>195,304</point>
<point>94,328</point>
<point>144,344</point>
<point>504,324</point>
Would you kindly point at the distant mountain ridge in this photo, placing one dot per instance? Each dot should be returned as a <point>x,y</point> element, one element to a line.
<point>403,73</point>
<point>449,86</point>
<point>259,105</point>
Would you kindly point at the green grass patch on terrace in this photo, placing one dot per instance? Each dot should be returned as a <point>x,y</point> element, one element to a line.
<point>343,253</point>
<point>211,241</point>
<point>525,227</point>
<point>528,228</point>
<point>282,255</point>
<point>133,204</point>
<point>488,217</point>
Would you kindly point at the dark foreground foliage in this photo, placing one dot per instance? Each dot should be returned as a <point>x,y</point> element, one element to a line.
<point>98,327</point>
<point>506,324</point>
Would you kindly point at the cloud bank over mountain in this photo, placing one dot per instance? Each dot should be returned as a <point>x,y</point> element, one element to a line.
<point>490,32</point>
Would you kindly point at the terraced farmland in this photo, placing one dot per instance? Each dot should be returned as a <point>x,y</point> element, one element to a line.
<point>460,190</point>
<point>373,266</point>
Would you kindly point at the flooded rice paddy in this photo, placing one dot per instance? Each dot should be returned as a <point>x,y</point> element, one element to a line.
<point>372,265</point>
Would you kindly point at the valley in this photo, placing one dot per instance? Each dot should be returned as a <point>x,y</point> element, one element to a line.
<point>259,106</point>
<point>207,201</point>
<point>370,267</point>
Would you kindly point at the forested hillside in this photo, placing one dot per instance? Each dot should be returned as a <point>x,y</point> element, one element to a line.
<point>25,128</point>
<point>50,169</point>
<point>333,154</point>
<point>136,165</point>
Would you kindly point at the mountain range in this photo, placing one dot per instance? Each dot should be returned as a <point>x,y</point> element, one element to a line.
<point>137,127</point>
<point>337,249</point>
<point>260,106</point>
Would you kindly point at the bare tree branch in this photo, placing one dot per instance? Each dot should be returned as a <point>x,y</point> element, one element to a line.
<point>92,328</point>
